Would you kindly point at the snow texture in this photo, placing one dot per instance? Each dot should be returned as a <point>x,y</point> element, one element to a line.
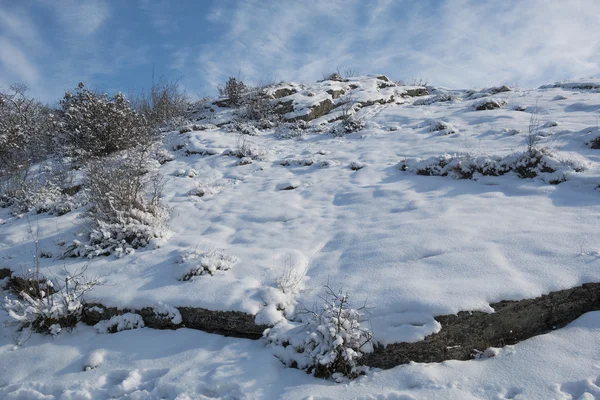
<point>414,245</point>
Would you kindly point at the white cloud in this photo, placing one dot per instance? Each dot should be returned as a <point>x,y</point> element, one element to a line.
<point>461,43</point>
<point>16,63</point>
<point>82,17</point>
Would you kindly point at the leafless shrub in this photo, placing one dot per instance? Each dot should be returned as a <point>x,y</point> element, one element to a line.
<point>258,106</point>
<point>346,71</point>
<point>418,82</point>
<point>242,147</point>
<point>532,131</point>
<point>48,305</point>
<point>349,123</point>
<point>291,277</point>
<point>163,103</point>
<point>347,103</point>
<point>120,185</point>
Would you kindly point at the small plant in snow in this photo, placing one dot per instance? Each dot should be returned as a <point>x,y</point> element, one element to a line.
<point>205,262</point>
<point>47,306</point>
<point>533,130</point>
<point>244,128</point>
<point>328,343</point>
<point>550,166</point>
<point>353,124</point>
<point>443,128</point>
<point>291,130</point>
<point>118,323</point>
<point>119,239</point>
<point>290,279</point>
<point>355,166</point>
<point>489,104</point>
<point>244,149</point>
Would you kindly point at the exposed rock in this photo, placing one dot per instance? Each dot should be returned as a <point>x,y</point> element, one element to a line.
<point>227,323</point>
<point>384,78</point>
<point>284,107</point>
<point>499,89</point>
<point>283,92</point>
<point>316,111</point>
<point>468,333</point>
<point>222,103</point>
<point>373,102</point>
<point>416,92</point>
<point>489,104</point>
<point>336,93</point>
<point>335,77</point>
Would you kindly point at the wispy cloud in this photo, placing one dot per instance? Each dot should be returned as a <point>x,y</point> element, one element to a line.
<point>67,49</point>
<point>456,43</point>
<point>83,17</point>
<point>15,62</point>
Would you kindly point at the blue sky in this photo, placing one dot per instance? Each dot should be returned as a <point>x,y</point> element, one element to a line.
<point>114,45</point>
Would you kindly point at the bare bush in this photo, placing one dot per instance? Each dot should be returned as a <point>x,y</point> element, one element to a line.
<point>346,71</point>
<point>126,210</point>
<point>532,131</point>
<point>96,125</point>
<point>347,103</point>
<point>349,123</point>
<point>164,103</point>
<point>48,305</point>
<point>290,279</point>
<point>258,106</point>
<point>120,184</point>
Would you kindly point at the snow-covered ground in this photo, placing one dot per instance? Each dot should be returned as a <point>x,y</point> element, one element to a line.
<point>188,364</point>
<point>411,246</point>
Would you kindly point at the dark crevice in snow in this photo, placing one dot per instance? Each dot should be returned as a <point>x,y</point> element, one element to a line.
<point>466,335</point>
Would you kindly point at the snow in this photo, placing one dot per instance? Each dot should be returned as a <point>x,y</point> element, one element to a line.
<point>410,246</point>
<point>187,364</point>
<point>120,323</point>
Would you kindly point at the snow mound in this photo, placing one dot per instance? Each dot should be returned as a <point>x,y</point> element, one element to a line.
<point>120,323</point>
<point>205,262</point>
<point>551,167</point>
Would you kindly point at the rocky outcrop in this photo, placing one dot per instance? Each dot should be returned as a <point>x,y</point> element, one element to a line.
<point>499,89</point>
<point>283,92</point>
<point>226,323</point>
<point>336,93</point>
<point>416,92</point>
<point>466,334</point>
<point>315,111</point>
<point>284,107</point>
<point>461,337</point>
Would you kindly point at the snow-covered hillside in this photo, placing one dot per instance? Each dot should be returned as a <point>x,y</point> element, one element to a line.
<point>435,201</point>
